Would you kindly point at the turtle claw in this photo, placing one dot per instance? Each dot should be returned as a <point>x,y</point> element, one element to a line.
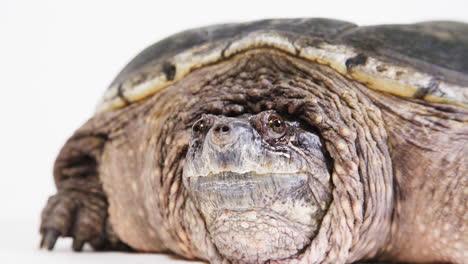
<point>78,244</point>
<point>80,216</point>
<point>49,238</point>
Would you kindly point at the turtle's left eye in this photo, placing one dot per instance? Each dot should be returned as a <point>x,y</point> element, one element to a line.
<point>276,126</point>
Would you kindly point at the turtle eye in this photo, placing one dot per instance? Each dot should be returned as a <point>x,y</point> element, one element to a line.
<point>198,127</point>
<point>276,125</point>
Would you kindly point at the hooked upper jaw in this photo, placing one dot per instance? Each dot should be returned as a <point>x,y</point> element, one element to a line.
<point>229,191</point>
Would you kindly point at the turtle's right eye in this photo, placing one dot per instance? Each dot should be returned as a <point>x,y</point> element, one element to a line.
<point>198,127</point>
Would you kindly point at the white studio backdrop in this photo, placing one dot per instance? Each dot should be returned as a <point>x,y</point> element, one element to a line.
<point>58,57</point>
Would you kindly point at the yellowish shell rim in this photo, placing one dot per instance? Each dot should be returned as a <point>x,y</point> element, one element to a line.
<point>354,64</point>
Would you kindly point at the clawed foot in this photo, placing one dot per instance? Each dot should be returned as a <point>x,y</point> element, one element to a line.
<point>81,216</point>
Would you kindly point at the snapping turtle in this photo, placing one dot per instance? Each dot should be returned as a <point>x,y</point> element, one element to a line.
<point>277,141</point>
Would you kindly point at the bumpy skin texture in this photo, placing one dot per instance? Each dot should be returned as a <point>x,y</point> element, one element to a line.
<point>399,176</point>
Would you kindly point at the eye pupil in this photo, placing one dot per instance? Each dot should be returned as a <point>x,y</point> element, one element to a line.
<point>198,126</point>
<point>276,125</point>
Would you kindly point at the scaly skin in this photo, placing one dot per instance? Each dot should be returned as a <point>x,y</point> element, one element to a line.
<point>399,176</point>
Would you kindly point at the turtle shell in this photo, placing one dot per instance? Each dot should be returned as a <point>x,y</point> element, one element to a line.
<point>427,61</point>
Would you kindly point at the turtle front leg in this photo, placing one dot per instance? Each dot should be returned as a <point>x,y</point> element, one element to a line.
<point>80,208</point>
<point>79,215</point>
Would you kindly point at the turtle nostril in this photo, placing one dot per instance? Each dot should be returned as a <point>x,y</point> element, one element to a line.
<point>221,129</point>
<point>222,134</point>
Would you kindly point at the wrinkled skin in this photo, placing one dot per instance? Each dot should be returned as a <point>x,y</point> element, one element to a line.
<point>392,171</point>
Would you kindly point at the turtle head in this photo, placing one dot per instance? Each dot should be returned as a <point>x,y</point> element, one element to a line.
<point>261,183</point>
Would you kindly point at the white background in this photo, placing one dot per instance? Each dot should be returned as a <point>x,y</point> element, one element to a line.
<point>57,58</point>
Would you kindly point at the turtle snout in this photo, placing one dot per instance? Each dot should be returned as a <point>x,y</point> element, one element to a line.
<point>226,146</point>
<point>222,129</point>
<point>223,134</point>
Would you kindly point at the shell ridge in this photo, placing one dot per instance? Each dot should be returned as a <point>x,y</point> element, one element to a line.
<point>332,46</point>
